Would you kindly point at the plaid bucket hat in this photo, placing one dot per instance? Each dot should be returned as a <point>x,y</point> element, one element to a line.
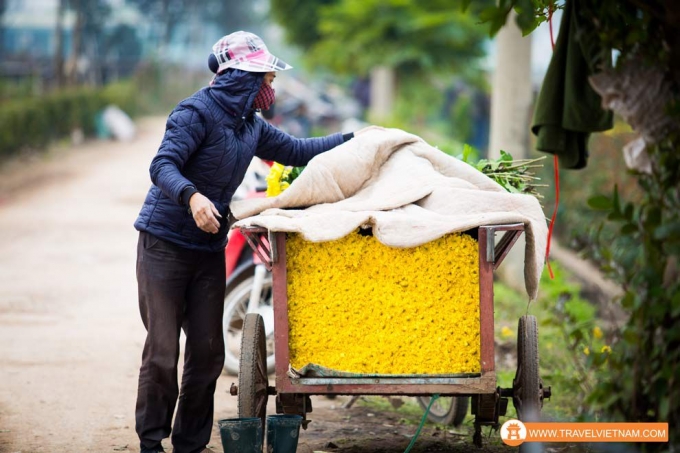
<point>247,52</point>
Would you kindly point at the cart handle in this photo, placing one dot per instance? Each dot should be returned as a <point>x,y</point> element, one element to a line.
<point>263,243</point>
<point>496,253</point>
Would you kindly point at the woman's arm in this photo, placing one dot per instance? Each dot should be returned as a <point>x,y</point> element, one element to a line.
<point>184,133</point>
<point>278,146</point>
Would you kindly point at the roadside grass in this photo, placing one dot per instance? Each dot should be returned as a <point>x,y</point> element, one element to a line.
<point>410,414</point>
<point>410,411</point>
<point>570,338</point>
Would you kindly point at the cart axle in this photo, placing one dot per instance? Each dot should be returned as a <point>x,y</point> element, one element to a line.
<point>233,390</point>
<point>546,392</point>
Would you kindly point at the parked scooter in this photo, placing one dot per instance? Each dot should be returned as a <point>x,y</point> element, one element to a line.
<point>449,411</point>
<point>249,286</point>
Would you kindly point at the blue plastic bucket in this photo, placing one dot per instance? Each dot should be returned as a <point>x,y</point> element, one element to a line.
<point>282,433</point>
<point>241,435</point>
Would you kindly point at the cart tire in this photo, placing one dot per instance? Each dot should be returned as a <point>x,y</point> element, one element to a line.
<point>451,413</point>
<point>252,376</point>
<point>527,386</point>
<point>235,306</point>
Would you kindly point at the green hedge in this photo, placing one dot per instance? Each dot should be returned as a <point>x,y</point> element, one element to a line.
<point>32,123</point>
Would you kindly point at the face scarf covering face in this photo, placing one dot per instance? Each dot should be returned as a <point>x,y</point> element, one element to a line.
<point>265,97</point>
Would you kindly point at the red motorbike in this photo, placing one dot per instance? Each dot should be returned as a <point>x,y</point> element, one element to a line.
<point>249,286</point>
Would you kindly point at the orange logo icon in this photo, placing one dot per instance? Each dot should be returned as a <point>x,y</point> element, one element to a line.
<point>513,433</point>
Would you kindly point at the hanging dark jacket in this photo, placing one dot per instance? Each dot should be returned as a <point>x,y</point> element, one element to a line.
<point>568,110</point>
<point>209,141</point>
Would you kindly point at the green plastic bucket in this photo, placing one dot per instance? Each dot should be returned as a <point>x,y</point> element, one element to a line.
<point>241,435</point>
<point>282,433</point>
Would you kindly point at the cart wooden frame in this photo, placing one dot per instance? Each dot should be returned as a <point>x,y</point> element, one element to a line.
<point>489,401</point>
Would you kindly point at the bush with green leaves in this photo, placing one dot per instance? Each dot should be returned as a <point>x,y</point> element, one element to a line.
<point>645,360</point>
<point>574,340</point>
<point>577,225</point>
<point>648,353</point>
<point>34,122</point>
<point>585,345</point>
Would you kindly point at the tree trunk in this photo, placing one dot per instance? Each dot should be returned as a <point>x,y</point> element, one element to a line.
<point>3,6</point>
<point>511,99</point>
<point>76,47</point>
<point>167,25</point>
<point>59,44</point>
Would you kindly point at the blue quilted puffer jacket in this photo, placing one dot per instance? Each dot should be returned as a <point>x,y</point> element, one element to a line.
<point>209,141</point>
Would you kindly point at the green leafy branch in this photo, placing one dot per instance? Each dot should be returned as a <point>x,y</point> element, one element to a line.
<point>529,13</point>
<point>514,175</point>
<point>292,175</point>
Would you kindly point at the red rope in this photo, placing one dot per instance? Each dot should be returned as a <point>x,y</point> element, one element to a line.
<point>557,171</point>
<point>552,220</point>
<point>552,39</point>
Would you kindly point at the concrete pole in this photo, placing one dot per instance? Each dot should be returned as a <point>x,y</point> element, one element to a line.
<point>383,88</point>
<point>511,103</point>
<point>511,96</point>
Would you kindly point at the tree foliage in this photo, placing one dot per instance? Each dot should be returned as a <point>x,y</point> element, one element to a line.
<point>411,36</point>
<point>645,362</point>
<point>414,37</point>
<point>299,19</point>
<point>529,13</point>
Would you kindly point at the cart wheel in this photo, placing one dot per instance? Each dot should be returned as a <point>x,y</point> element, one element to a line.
<point>527,387</point>
<point>252,376</point>
<point>446,411</point>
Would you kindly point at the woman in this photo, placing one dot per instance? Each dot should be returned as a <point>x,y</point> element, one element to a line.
<point>209,141</point>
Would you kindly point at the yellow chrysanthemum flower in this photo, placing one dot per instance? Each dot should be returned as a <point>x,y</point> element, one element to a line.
<point>597,332</point>
<point>606,349</point>
<point>279,179</point>
<point>274,180</point>
<point>357,305</point>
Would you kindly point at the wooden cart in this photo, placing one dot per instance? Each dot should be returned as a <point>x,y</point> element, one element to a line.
<point>488,401</point>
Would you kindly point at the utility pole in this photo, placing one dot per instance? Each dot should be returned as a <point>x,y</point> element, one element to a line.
<point>383,88</point>
<point>511,96</point>
<point>511,103</point>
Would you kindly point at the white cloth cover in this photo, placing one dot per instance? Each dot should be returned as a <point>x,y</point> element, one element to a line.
<point>409,192</point>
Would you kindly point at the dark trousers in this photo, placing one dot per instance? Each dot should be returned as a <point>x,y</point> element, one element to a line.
<point>178,289</point>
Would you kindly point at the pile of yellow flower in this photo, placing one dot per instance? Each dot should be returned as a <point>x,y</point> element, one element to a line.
<point>277,179</point>
<point>356,305</point>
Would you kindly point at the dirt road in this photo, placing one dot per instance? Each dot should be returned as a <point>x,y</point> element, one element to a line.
<point>70,333</point>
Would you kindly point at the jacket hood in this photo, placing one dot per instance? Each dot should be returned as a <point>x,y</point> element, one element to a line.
<point>235,91</point>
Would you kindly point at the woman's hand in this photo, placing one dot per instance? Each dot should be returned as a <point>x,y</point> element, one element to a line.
<point>368,129</point>
<point>205,213</point>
